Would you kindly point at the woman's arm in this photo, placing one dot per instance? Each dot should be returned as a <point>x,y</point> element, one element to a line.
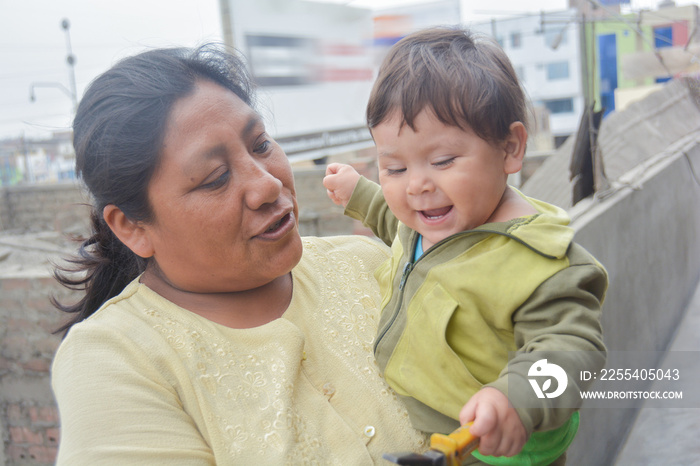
<point>116,407</point>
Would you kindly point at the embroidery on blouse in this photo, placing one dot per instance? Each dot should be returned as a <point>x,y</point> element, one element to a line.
<point>262,380</point>
<point>350,325</point>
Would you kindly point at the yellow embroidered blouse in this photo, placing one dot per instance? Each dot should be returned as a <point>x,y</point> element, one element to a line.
<point>143,381</point>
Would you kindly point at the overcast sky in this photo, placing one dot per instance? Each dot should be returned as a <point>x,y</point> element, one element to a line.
<point>33,45</point>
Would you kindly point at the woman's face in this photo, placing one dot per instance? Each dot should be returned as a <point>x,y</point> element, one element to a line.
<point>225,211</point>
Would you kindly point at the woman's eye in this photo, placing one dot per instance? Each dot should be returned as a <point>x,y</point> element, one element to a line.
<point>218,182</point>
<point>262,147</point>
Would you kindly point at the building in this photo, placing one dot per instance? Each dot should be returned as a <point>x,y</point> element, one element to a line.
<point>638,53</point>
<point>626,55</point>
<point>631,54</point>
<point>48,160</point>
<point>313,64</point>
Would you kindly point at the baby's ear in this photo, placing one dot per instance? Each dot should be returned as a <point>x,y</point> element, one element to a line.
<point>131,233</point>
<point>514,147</point>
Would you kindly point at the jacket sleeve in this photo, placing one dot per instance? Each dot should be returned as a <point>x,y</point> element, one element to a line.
<point>560,322</point>
<point>367,205</point>
<point>116,406</point>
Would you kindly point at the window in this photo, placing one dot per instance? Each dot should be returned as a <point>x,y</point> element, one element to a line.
<point>281,60</point>
<point>516,40</point>
<point>663,37</point>
<point>553,38</point>
<point>557,70</point>
<point>556,106</point>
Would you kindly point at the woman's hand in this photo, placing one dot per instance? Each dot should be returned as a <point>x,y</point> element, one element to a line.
<point>340,181</point>
<point>496,423</point>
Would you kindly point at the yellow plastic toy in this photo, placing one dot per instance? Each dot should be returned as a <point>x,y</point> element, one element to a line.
<point>445,450</point>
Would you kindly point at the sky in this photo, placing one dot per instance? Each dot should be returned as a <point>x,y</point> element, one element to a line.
<point>33,45</point>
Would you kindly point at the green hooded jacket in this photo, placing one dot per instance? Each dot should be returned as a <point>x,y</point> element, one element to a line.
<point>479,308</point>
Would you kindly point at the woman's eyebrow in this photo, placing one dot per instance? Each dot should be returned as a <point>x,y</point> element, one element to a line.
<point>251,124</point>
<point>199,160</point>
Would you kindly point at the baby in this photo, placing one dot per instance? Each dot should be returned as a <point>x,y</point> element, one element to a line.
<point>481,276</point>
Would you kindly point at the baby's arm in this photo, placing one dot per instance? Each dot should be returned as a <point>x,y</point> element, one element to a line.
<point>340,182</point>
<point>569,303</point>
<point>363,200</point>
<point>496,423</point>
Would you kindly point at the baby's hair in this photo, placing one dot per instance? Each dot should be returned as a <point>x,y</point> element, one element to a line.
<point>465,79</point>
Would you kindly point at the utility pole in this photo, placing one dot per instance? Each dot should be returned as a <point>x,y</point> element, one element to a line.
<point>585,78</point>
<point>29,173</point>
<point>70,59</point>
<point>226,23</point>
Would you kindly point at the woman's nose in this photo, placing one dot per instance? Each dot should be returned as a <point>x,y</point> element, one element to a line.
<point>418,183</point>
<point>261,186</point>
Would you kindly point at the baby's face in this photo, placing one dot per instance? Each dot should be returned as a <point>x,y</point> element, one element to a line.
<point>439,179</point>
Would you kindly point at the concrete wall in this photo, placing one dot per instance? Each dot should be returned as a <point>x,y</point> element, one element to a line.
<point>56,207</point>
<point>646,234</point>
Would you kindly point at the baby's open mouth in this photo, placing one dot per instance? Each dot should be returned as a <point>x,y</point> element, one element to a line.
<point>434,214</point>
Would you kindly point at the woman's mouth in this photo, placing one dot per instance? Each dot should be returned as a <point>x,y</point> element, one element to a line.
<point>279,228</point>
<point>276,225</point>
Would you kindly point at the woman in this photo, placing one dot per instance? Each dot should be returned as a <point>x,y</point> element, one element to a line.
<point>210,332</point>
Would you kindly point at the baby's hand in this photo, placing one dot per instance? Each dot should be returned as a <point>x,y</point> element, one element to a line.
<point>340,181</point>
<point>496,423</point>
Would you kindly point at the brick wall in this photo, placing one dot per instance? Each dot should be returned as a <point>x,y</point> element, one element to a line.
<point>54,207</point>
<point>319,216</point>
<point>29,427</point>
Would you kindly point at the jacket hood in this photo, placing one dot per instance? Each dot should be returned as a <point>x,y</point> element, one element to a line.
<point>546,232</point>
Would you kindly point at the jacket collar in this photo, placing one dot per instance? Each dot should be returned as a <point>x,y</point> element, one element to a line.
<point>546,232</point>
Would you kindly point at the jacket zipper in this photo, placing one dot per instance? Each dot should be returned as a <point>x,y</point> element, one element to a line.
<point>402,283</point>
<point>411,265</point>
<point>406,270</point>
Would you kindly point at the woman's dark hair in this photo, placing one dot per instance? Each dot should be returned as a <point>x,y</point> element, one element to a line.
<point>465,79</point>
<point>118,133</point>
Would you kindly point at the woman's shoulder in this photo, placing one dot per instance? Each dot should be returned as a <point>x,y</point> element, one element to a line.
<point>122,320</point>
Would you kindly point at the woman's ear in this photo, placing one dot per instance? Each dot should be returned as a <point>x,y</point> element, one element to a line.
<point>129,232</point>
<point>514,147</point>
